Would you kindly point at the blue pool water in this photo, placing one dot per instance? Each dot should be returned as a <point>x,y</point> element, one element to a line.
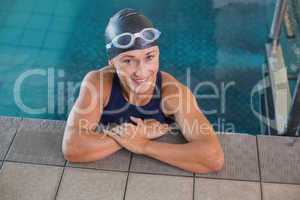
<point>46,48</point>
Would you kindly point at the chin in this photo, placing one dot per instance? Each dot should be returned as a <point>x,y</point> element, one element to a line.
<point>140,89</point>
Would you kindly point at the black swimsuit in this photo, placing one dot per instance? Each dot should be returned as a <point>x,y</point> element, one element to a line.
<point>118,110</point>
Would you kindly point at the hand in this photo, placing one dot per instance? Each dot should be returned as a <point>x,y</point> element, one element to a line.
<point>130,136</point>
<point>154,128</point>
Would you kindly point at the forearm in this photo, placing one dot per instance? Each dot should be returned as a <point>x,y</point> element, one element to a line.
<point>89,146</point>
<point>185,156</point>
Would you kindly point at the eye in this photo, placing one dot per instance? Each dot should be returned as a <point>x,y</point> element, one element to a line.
<point>126,61</point>
<point>150,57</point>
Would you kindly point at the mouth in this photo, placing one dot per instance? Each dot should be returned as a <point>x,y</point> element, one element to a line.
<point>140,81</point>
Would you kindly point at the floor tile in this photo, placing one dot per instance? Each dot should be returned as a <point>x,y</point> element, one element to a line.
<point>174,137</point>
<point>241,162</point>
<point>38,141</point>
<point>279,159</point>
<point>216,189</point>
<point>152,187</point>
<point>117,161</point>
<point>91,184</point>
<point>8,128</point>
<point>272,191</point>
<point>29,182</point>
<point>149,165</point>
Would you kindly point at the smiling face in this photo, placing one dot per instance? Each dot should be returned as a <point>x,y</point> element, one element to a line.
<point>137,69</point>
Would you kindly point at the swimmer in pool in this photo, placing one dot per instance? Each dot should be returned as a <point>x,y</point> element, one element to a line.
<point>141,101</point>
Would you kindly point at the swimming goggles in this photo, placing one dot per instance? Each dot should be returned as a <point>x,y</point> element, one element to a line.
<point>126,40</point>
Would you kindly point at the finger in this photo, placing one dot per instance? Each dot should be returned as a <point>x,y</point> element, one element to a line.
<point>115,136</point>
<point>106,131</point>
<point>166,126</point>
<point>137,120</point>
<point>127,128</point>
<point>117,130</point>
<point>150,121</point>
<point>128,125</point>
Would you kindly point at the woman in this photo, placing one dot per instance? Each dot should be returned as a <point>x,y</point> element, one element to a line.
<point>142,101</point>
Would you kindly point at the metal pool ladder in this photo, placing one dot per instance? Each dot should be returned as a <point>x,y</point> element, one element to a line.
<point>285,110</point>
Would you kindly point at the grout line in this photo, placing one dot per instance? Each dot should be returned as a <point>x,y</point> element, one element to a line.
<point>59,183</point>
<point>34,163</point>
<point>96,169</point>
<point>130,161</point>
<point>259,169</point>
<point>12,140</point>
<point>228,179</point>
<point>160,174</point>
<point>194,180</point>
<point>10,144</point>
<point>125,189</point>
<point>134,172</point>
<point>270,182</point>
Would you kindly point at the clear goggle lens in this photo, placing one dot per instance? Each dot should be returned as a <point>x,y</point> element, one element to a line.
<point>126,40</point>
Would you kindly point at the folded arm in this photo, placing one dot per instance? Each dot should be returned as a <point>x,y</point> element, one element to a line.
<point>203,152</point>
<point>81,141</point>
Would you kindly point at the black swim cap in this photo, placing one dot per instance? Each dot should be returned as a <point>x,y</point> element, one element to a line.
<point>127,20</point>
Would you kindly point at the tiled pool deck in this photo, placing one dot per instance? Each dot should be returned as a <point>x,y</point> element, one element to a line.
<point>32,167</point>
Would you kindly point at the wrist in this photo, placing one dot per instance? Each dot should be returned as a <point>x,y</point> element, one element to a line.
<point>147,147</point>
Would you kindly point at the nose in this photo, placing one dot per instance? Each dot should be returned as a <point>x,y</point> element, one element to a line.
<point>140,71</point>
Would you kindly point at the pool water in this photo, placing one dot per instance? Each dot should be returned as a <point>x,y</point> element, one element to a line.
<point>46,48</point>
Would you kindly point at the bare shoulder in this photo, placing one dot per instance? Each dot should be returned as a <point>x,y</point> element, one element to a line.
<point>99,82</point>
<point>173,92</point>
<point>167,77</point>
<point>178,101</point>
<point>170,85</point>
<point>94,76</point>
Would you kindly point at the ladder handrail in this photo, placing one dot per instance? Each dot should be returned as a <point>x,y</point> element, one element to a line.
<point>280,10</point>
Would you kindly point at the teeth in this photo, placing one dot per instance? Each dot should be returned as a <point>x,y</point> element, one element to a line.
<point>140,80</point>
